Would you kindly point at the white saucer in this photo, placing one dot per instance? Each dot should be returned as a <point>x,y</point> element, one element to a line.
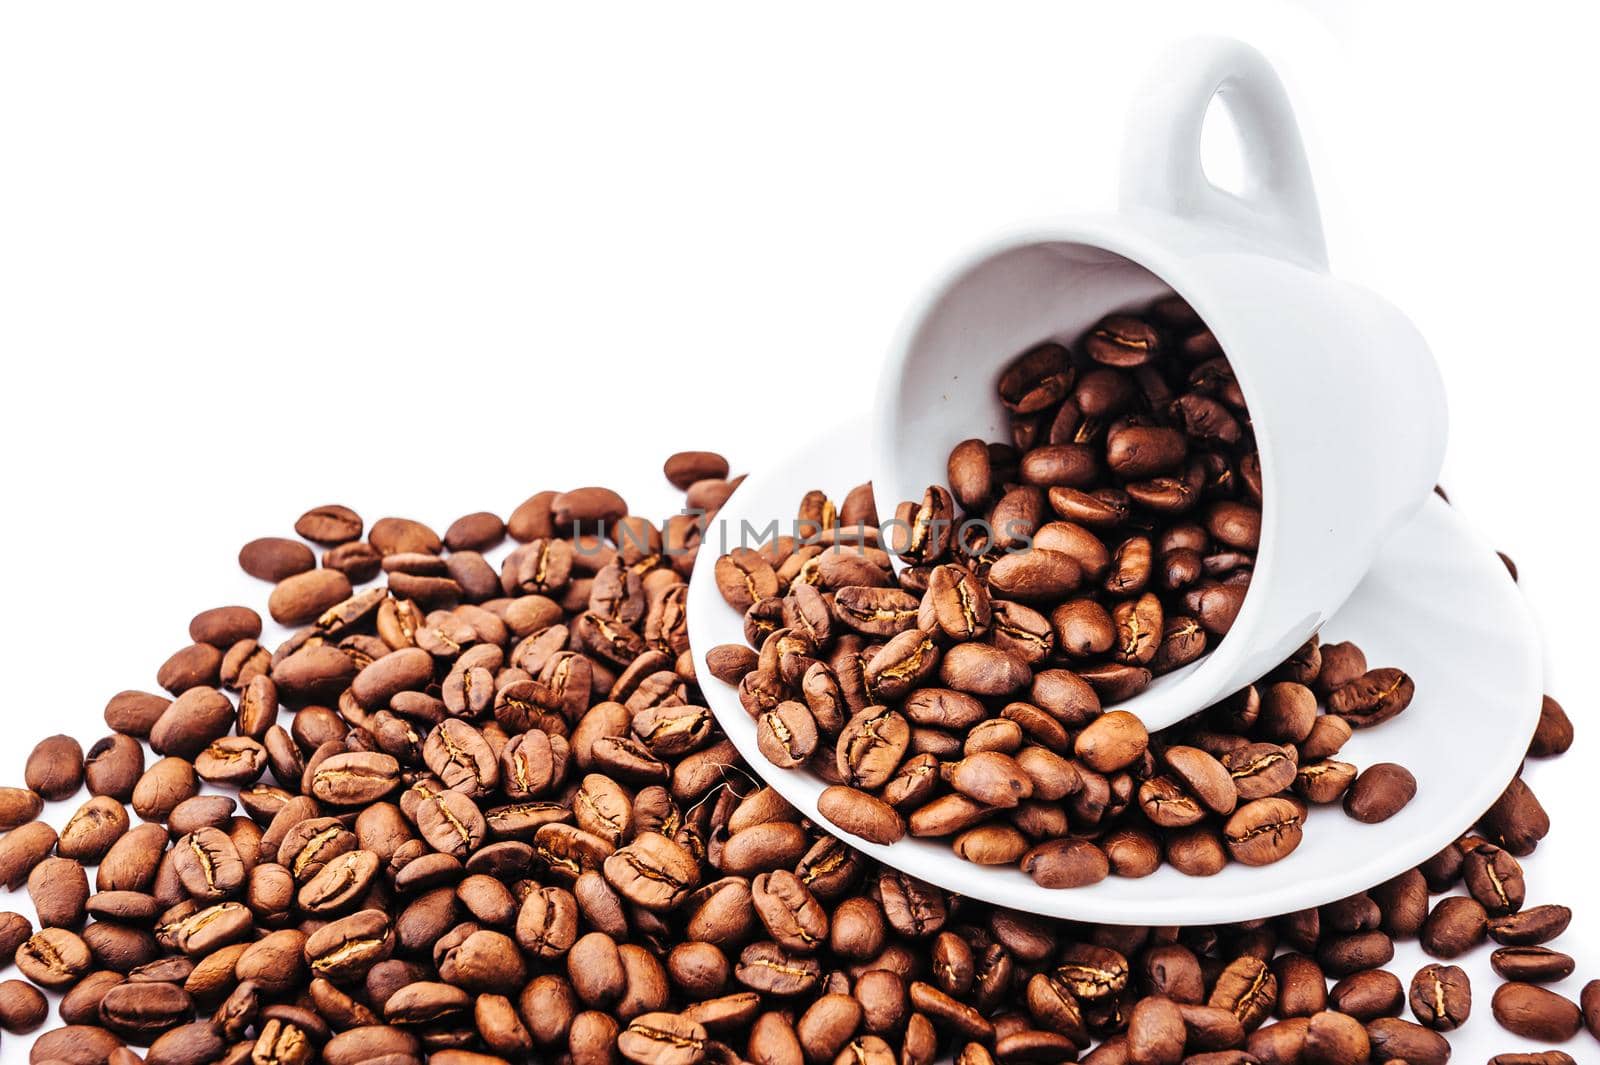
<point>1438,604</point>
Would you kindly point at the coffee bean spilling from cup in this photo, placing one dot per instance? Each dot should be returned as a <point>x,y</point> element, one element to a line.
<point>479,813</point>
<point>1126,508</point>
<point>934,707</point>
<point>963,697</point>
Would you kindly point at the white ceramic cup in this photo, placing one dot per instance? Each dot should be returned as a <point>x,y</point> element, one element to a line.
<point>1346,402</point>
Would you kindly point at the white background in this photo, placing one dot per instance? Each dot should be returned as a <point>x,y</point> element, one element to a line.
<point>428,260</point>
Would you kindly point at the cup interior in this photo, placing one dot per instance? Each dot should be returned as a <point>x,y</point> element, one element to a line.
<point>940,388</point>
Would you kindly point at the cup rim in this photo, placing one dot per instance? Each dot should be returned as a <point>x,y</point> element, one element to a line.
<point>1122,235</point>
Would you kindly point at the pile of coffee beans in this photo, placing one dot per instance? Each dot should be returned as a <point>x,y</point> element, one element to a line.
<point>479,814</point>
<point>931,704</point>
<point>1125,512</point>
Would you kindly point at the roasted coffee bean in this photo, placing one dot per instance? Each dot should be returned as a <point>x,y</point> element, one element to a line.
<point>14,931</point>
<point>190,666</point>
<point>1260,770</point>
<point>359,561</point>
<point>971,474</point>
<point>206,929</point>
<point>990,778</point>
<point>55,768</point>
<point>451,823</point>
<point>340,884</point>
<point>1340,955</point>
<point>1532,926</point>
<point>407,669</point>
<point>225,626</point>
<point>1517,821</point>
<point>1353,913</point>
<point>1554,733</point>
<point>1534,965</point>
<point>330,524</point>
<point>1196,851</point>
<point>924,531</point>
<point>904,661</point>
<point>81,1004</point>
<point>235,760</point>
<point>767,968</point>
<point>1328,736</point>
<point>1093,972</point>
<point>22,1007</point>
<point>402,535</point>
<point>18,806</point>
<point>208,864</point>
<point>134,712</point>
<point>1123,341</point>
<point>195,719</point>
<point>983,670</point>
<point>1061,863</point>
<point>871,746</point>
<point>1203,776</point>
<point>59,889</point>
<point>1112,741</point>
<point>684,468</point>
<point>347,948</point>
<point>317,671</point>
<point>1324,782</point>
<point>660,1038</point>
<point>355,779</point>
<point>1302,986</point>
<point>1372,698</point>
<point>113,766</point>
<point>861,814</point>
<point>1167,805</point>
<point>273,558</point>
<point>787,734</point>
<point>1456,925</point>
<point>652,871</point>
<point>77,1043</point>
<point>1035,574</point>
<point>130,864</point>
<point>121,948</point>
<point>1156,1032</point>
<point>22,849</point>
<point>459,755</point>
<point>745,578</point>
<point>54,958</point>
<point>1380,792</point>
<point>1403,902</point>
<point>730,662</point>
<point>883,612</point>
<point>1589,1000</point>
<point>532,519</point>
<point>1495,879</point>
<point>827,1025</point>
<point>1535,1012</point>
<point>1036,379</point>
<point>591,506</point>
<point>90,832</point>
<point>1263,831</point>
<point>1247,989</point>
<point>163,786</point>
<point>1441,997</point>
<point>301,598</point>
<point>142,1010</point>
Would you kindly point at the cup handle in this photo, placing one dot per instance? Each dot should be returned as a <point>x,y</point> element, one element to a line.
<point>1161,165</point>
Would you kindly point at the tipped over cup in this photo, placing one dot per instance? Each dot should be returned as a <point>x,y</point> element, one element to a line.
<point>1345,401</point>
